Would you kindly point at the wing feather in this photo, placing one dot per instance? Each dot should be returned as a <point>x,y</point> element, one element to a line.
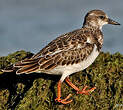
<point>67,49</point>
<point>62,43</point>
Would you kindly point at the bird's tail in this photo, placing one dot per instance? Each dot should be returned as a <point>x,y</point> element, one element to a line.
<point>25,66</point>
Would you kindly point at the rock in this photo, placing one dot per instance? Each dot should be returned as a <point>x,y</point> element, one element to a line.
<point>38,91</point>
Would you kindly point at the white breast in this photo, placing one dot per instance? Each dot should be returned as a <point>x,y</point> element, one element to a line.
<point>69,69</point>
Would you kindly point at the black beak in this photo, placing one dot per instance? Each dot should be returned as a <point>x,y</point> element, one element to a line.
<point>110,21</point>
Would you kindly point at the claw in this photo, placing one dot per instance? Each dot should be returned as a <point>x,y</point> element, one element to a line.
<point>64,101</point>
<point>84,91</point>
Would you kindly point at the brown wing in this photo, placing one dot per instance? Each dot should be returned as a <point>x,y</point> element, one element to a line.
<point>66,57</point>
<point>67,49</point>
<point>63,42</point>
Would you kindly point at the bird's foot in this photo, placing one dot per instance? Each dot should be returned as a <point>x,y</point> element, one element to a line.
<point>84,91</point>
<point>64,101</point>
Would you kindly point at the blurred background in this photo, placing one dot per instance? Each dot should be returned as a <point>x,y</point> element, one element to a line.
<point>31,24</point>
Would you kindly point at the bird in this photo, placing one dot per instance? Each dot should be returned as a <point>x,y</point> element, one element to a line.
<point>69,53</point>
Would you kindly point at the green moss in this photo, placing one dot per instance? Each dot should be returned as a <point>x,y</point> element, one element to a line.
<point>4,96</point>
<point>38,91</point>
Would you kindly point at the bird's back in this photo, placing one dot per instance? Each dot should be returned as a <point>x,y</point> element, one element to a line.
<point>66,50</point>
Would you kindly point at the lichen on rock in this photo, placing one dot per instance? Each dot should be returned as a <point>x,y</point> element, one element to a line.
<point>38,91</point>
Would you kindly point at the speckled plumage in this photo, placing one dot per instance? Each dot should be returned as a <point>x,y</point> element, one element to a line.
<point>69,50</point>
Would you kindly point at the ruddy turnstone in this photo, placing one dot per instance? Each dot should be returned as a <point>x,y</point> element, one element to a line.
<point>70,53</point>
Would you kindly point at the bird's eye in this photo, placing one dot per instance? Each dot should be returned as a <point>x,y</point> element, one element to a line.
<point>101,17</point>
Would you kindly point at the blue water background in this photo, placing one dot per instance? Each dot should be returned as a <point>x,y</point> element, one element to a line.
<point>31,24</point>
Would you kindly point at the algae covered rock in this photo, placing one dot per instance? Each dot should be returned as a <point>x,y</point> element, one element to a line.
<point>38,91</point>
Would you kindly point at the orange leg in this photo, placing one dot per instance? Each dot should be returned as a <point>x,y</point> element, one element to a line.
<point>83,91</point>
<point>64,101</point>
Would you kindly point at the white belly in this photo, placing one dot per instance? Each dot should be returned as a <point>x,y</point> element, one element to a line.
<point>69,69</point>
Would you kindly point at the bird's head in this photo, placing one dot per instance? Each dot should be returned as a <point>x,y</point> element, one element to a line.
<point>97,18</point>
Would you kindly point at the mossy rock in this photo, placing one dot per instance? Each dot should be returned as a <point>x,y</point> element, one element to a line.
<point>38,91</point>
